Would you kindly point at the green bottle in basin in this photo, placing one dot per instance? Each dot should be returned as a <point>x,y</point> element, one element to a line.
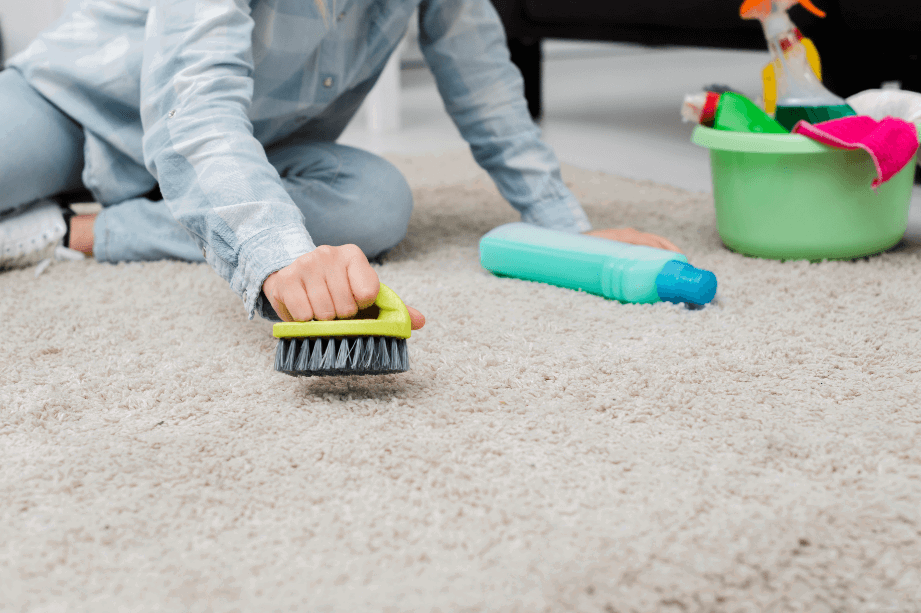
<point>736,113</point>
<point>615,270</point>
<point>729,111</point>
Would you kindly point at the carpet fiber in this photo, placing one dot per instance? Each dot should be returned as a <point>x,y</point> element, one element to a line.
<point>548,450</point>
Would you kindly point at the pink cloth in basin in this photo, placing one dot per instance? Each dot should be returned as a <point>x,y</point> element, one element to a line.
<point>891,143</point>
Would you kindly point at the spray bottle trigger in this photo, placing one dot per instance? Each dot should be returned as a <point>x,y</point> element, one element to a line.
<point>755,9</point>
<point>812,8</point>
<point>759,9</point>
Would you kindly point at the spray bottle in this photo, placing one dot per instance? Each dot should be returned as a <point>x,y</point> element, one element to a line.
<point>614,270</point>
<point>800,94</point>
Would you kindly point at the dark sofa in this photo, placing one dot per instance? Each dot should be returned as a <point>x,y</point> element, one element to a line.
<point>861,44</point>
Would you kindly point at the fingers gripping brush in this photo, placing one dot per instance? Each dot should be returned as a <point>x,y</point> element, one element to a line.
<point>372,343</point>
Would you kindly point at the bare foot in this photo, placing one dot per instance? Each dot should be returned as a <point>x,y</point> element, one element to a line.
<point>81,234</point>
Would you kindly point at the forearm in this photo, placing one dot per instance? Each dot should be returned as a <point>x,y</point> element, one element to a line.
<point>196,90</point>
<point>464,44</point>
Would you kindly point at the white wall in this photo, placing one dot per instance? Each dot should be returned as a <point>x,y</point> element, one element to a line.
<point>22,20</point>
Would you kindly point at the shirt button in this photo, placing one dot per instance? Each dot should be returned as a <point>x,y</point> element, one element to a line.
<point>172,113</point>
<point>328,82</point>
<point>245,295</point>
<point>340,17</point>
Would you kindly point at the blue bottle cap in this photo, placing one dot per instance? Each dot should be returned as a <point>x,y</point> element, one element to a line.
<point>680,282</point>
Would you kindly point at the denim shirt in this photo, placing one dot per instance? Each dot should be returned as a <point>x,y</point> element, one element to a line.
<point>188,93</point>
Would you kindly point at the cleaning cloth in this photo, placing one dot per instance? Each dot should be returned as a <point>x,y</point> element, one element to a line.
<point>880,103</point>
<point>891,142</point>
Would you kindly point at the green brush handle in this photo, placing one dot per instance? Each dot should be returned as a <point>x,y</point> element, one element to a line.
<point>393,320</point>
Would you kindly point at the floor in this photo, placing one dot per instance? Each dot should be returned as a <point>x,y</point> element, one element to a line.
<point>609,107</point>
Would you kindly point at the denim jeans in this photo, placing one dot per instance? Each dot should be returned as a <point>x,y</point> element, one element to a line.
<point>345,194</point>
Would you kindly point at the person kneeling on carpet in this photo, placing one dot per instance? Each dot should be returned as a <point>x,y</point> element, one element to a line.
<point>207,131</point>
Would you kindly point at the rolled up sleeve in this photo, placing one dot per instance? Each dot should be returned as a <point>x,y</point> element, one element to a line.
<point>464,44</point>
<point>196,91</point>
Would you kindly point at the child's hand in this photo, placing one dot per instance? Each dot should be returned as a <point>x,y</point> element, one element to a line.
<point>326,284</point>
<point>635,237</point>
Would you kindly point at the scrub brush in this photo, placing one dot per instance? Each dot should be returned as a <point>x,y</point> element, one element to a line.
<point>372,343</point>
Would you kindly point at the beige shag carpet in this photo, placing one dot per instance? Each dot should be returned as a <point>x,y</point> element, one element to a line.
<point>549,451</point>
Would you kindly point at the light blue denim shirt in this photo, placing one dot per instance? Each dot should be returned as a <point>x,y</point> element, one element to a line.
<point>187,93</point>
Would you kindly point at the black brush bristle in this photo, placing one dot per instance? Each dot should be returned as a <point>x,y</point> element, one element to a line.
<point>341,355</point>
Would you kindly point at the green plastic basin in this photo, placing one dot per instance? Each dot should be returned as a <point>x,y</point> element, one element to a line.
<point>787,197</point>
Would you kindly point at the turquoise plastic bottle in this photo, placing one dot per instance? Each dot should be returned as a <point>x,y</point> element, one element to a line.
<point>617,271</point>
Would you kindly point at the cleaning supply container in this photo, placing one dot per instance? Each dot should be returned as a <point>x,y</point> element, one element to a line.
<point>788,197</point>
<point>618,271</point>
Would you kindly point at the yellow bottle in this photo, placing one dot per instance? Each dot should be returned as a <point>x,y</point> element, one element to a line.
<point>769,80</point>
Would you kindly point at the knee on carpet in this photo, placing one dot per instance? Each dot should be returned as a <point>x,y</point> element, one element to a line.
<point>390,201</point>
